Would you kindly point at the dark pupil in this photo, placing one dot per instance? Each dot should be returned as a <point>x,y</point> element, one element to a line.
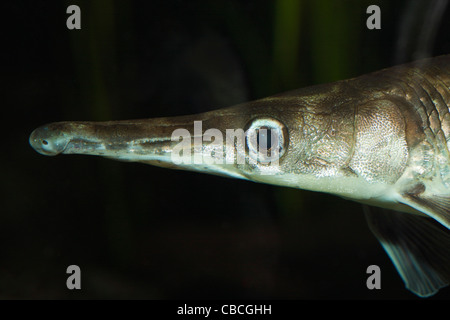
<point>264,138</point>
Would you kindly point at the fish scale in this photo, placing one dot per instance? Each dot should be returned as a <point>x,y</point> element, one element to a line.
<point>435,98</point>
<point>427,90</point>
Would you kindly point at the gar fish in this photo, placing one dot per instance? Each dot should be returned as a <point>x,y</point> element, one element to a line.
<point>381,139</point>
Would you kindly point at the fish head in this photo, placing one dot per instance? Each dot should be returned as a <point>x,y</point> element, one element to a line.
<point>280,140</point>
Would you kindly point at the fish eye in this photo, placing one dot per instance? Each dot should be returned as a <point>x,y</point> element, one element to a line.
<point>266,140</point>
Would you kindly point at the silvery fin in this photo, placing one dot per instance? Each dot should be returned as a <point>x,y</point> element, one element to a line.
<point>418,246</point>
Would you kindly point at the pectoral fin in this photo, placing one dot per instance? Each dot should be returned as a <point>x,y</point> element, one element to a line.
<point>436,206</point>
<point>418,246</point>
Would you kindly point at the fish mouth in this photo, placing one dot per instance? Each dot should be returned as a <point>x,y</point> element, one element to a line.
<point>144,140</point>
<point>213,142</point>
<point>115,139</point>
<point>69,138</point>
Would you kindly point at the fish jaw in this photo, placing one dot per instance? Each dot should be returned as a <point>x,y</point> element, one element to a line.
<point>131,140</point>
<point>184,142</point>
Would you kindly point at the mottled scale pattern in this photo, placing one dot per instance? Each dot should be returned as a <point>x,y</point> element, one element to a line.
<point>380,152</point>
<point>427,88</point>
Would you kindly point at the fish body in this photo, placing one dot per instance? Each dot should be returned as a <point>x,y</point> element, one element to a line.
<point>381,139</point>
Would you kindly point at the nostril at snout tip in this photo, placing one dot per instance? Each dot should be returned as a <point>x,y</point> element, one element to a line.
<point>47,142</point>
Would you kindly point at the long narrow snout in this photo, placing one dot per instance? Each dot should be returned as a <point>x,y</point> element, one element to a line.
<point>133,140</point>
<point>232,141</point>
<point>174,142</point>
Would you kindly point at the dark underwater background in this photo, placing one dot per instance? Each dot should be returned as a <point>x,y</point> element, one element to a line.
<point>144,232</point>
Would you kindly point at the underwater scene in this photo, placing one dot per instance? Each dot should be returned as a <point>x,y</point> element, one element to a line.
<point>350,200</point>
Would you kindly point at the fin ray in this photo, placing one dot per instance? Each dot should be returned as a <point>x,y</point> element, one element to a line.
<point>418,246</point>
<point>436,206</point>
